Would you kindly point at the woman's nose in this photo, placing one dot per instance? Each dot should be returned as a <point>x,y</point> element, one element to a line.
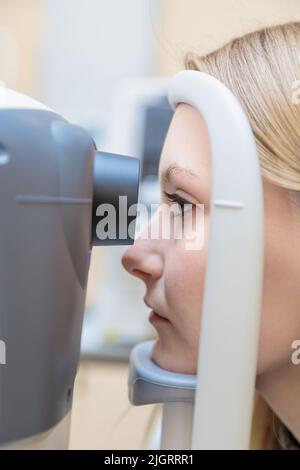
<point>142,262</point>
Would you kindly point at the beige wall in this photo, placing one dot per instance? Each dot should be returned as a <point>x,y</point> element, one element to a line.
<point>201,25</point>
<point>102,417</point>
<point>19,43</point>
<point>204,25</point>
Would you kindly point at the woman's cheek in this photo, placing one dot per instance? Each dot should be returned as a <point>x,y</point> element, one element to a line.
<point>184,277</point>
<point>184,283</point>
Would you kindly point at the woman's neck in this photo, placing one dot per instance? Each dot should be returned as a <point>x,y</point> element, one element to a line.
<point>281,390</point>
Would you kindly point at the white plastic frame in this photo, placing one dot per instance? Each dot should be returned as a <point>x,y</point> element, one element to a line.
<point>234,273</point>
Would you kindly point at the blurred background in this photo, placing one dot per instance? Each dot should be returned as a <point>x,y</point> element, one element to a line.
<point>105,65</point>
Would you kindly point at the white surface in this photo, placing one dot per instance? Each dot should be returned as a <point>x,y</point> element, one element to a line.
<point>126,116</point>
<point>87,48</point>
<point>177,422</point>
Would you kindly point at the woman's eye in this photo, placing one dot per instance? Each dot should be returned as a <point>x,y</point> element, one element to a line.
<point>185,206</point>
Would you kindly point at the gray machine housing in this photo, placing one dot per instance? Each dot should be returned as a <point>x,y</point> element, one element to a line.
<point>50,185</point>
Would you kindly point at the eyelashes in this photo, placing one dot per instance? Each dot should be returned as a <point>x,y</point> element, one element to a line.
<point>184,205</point>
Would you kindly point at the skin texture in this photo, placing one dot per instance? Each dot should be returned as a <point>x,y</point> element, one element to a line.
<point>174,276</point>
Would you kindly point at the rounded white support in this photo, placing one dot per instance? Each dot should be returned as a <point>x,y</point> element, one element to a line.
<point>234,272</point>
<point>177,421</point>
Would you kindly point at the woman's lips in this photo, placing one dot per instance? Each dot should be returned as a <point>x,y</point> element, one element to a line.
<point>154,317</point>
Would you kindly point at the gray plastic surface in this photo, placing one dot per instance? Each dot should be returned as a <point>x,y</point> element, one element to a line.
<point>46,200</point>
<point>46,208</point>
<point>148,383</point>
<point>115,176</point>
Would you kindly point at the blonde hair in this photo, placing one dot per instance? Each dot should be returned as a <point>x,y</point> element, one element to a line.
<point>261,70</point>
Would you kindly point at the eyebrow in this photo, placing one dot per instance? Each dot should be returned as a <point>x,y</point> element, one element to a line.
<point>174,170</point>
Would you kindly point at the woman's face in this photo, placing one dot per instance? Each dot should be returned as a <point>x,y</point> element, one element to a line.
<point>174,275</point>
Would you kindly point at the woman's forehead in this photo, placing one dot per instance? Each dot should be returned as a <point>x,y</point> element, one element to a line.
<point>187,142</point>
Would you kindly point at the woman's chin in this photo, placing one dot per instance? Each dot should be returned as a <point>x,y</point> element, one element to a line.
<point>174,361</point>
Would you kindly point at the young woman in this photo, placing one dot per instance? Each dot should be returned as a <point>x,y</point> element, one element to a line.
<point>262,69</point>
